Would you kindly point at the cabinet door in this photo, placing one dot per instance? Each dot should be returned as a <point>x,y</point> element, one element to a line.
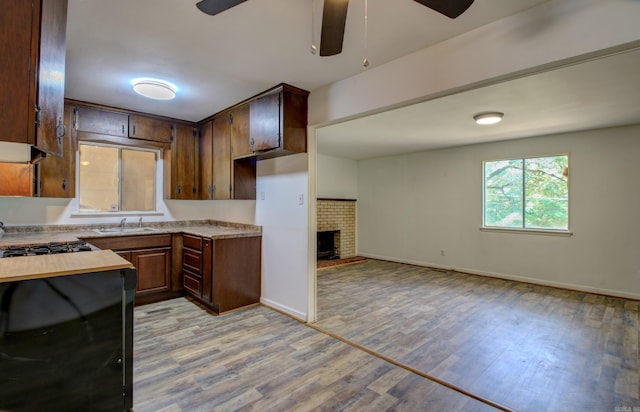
<point>51,69</point>
<point>184,163</point>
<point>17,179</point>
<point>33,38</point>
<point>221,159</point>
<point>240,127</point>
<point>205,156</point>
<point>265,116</point>
<point>153,268</point>
<point>149,128</point>
<point>236,272</point>
<point>56,176</point>
<point>91,120</point>
<point>16,72</point>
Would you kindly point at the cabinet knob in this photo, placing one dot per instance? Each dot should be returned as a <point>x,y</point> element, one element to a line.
<point>64,184</point>
<point>179,189</point>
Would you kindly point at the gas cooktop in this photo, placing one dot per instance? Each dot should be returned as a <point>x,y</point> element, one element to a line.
<point>45,249</point>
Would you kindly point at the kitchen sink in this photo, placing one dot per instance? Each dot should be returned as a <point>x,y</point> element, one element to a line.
<point>112,230</point>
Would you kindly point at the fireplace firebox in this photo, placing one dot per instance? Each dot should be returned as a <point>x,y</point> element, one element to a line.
<point>327,245</point>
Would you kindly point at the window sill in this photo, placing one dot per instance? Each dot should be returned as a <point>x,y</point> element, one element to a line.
<point>115,214</point>
<point>563,233</point>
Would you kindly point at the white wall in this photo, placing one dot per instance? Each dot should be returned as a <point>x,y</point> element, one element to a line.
<point>337,178</point>
<point>280,183</point>
<point>49,211</point>
<point>413,206</point>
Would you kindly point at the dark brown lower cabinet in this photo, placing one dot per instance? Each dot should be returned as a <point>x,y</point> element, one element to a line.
<point>151,256</point>
<point>224,274</point>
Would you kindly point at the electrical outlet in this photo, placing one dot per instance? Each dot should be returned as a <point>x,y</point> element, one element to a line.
<point>261,195</point>
<point>300,199</point>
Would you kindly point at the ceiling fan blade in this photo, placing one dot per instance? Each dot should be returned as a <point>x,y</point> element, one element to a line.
<point>334,16</point>
<point>450,8</point>
<point>213,7</point>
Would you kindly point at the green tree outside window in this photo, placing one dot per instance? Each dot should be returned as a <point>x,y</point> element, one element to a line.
<point>528,193</point>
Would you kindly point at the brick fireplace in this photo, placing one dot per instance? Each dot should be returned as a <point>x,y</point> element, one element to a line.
<point>337,218</point>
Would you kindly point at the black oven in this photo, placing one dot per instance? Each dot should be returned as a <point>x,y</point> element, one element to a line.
<point>66,342</point>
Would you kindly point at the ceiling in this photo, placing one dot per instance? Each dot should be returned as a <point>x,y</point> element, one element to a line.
<point>217,61</point>
<point>589,95</point>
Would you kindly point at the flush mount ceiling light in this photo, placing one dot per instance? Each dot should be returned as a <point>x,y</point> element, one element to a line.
<point>488,117</point>
<point>154,88</point>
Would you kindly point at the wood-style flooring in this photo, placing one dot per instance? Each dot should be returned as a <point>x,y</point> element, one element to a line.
<point>257,359</point>
<point>526,347</point>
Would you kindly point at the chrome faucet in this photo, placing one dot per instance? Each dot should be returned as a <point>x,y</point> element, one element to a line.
<point>124,219</point>
<point>140,222</point>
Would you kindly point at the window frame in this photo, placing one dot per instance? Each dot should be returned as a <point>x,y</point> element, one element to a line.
<point>158,183</point>
<point>539,231</point>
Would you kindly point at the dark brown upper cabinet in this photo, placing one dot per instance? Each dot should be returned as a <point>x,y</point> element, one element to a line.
<point>278,122</point>
<point>56,176</point>
<point>205,156</point>
<point>150,128</point>
<point>239,129</point>
<point>184,163</point>
<point>104,122</point>
<point>215,159</point>
<point>32,43</point>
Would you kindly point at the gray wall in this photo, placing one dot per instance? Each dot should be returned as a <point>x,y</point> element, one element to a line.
<point>413,206</point>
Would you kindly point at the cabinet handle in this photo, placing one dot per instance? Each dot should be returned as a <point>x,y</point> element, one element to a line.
<point>251,143</point>
<point>134,129</point>
<point>61,129</point>
<point>123,129</point>
<point>64,184</point>
<point>178,189</point>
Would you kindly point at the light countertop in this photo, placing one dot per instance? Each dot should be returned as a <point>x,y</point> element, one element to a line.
<point>62,264</point>
<point>213,230</point>
<point>34,267</point>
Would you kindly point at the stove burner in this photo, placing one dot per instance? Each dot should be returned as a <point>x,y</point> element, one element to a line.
<point>79,246</point>
<point>14,252</point>
<point>45,249</point>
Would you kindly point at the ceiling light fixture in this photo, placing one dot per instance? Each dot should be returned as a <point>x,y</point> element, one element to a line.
<point>488,117</point>
<point>154,88</point>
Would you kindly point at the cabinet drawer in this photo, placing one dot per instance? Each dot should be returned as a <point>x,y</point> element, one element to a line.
<point>192,282</point>
<point>193,242</point>
<point>192,260</point>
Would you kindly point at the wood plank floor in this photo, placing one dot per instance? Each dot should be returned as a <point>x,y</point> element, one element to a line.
<point>527,347</point>
<point>260,360</point>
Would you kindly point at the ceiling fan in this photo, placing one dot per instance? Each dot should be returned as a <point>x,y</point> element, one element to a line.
<point>334,16</point>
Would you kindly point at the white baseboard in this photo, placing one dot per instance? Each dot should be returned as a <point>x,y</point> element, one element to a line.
<point>301,316</point>
<point>536,281</point>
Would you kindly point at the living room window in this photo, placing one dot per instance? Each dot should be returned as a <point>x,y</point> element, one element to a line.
<point>116,179</point>
<point>527,193</point>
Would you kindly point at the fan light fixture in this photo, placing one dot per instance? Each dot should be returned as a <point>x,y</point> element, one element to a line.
<point>488,117</point>
<point>154,88</point>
